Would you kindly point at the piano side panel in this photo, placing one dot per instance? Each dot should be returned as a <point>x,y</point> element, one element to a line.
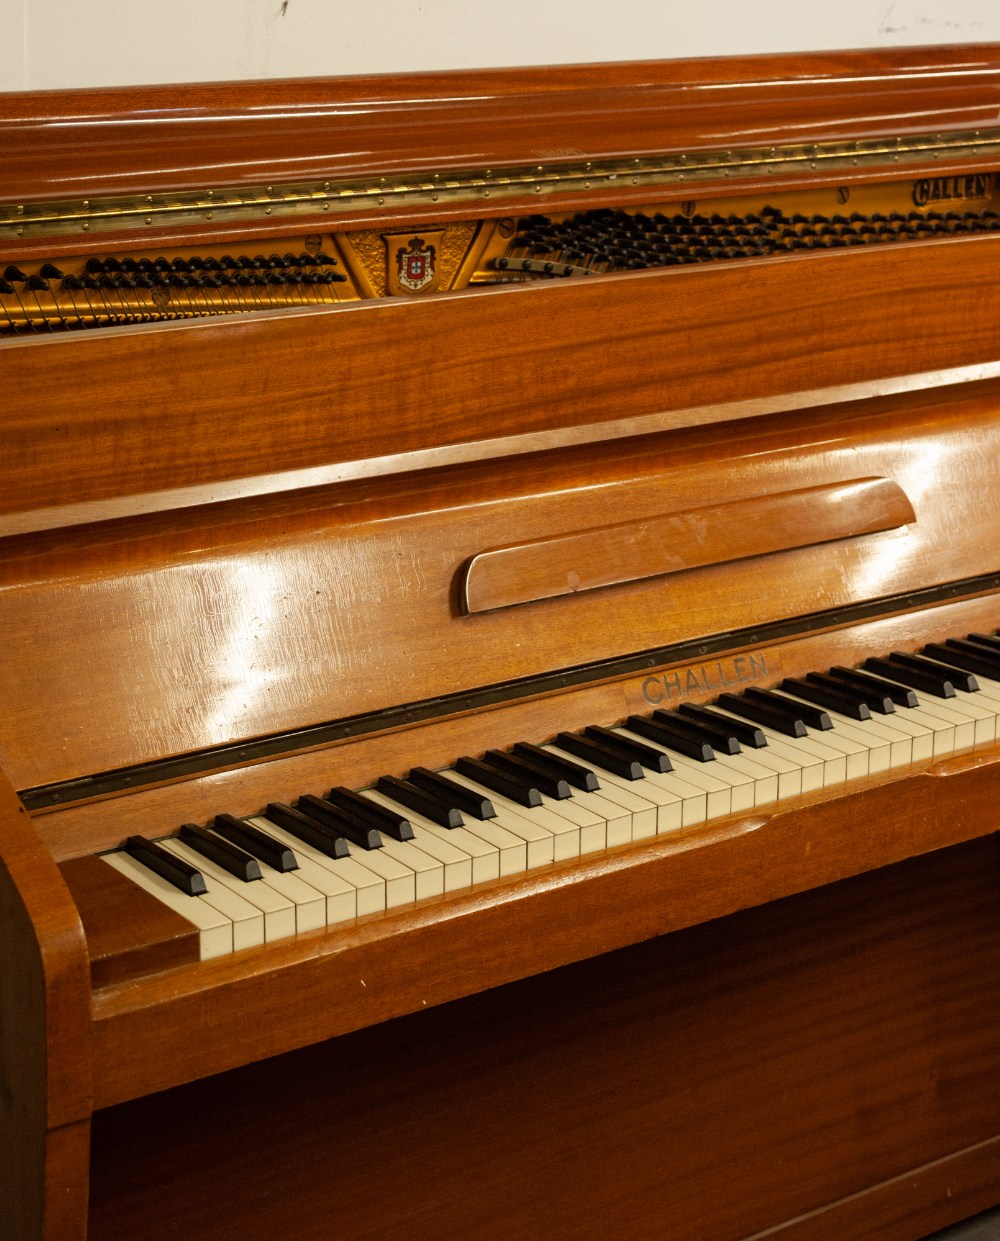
<point>45,1047</point>
<point>708,1084</point>
<point>132,411</point>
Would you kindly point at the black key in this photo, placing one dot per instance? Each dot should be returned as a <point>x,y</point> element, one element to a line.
<point>232,859</point>
<point>721,734</point>
<point>517,789</point>
<point>428,804</point>
<point>899,694</point>
<point>988,657</point>
<point>833,698</point>
<point>187,879</point>
<point>810,716</point>
<point>269,850</point>
<point>717,736</point>
<point>732,732</point>
<point>600,755</point>
<point>456,795</point>
<point>646,755</point>
<point>526,769</point>
<point>780,721</point>
<point>326,839</point>
<point>967,655</point>
<point>964,681</point>
<point>667,733</point>
<point>396,825</point>
<point>988,640</point>
<point>931,684</point>
<point>873,699</point>
<point>573,773</point>
<point>346,824</point>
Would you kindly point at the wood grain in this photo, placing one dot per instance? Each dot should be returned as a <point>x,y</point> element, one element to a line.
<point>709,1084</point>
<point>195,1021</point>
<point>83,144</point>
<point>284,612</point>
<point>548,567</point>
<point>45,1062</point>
<point>128,932</point>
<point>750,1027</point>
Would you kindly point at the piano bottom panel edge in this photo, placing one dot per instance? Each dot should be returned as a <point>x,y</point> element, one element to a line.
<point>818,1067</point>
<point>196,1020</point>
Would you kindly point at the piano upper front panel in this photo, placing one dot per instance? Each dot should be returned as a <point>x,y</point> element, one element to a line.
<point>205,627</point>
<point>204,403</point>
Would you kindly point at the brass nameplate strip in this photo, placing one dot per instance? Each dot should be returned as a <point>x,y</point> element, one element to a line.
<point>484,187</point>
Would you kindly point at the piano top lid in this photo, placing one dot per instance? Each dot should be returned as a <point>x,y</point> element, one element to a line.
<point>85,143</point>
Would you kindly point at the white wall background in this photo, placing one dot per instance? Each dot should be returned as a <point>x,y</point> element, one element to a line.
<point>58,43</point>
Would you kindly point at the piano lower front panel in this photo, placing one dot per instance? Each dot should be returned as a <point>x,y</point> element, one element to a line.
<point>708,1084</point>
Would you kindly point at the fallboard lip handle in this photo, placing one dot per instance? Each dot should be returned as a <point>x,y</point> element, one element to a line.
<point>632,551</point>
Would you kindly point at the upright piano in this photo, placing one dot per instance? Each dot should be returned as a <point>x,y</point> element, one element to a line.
<point>499,694</point>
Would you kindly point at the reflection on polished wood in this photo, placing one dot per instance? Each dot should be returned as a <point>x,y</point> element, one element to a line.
<point>249,556</point>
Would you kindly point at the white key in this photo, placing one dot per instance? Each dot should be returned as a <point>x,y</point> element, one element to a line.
<point>982,710</point>
<point>740,785</point>
<point>278,909</point>
<point>855,755</point>
<point>787,772</point>
<point>215,931</point>
<point>456,862</point>
<point>963,726</point>
<point>798,750</point>
<point>538,833</point>
<point>975,723</point>
<point>428,873</point>
<point>942,731</point>
<point>369,888</point>
<point>612,801</point>
<point>879,735</point>
<point>591,827</point>
<point>921,736</point>
<point>247,919</point>
<point>640,810</point>
<point>400,881</point>
<point>765,780</point>
<point>678,803</point>
<point>340,896</point>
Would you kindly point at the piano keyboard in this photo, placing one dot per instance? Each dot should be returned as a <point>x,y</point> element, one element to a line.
<point>330,860</point>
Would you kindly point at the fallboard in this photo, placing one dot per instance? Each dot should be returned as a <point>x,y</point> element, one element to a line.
<point>185,630</point>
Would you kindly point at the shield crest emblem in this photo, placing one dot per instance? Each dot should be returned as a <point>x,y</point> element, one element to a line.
<point>412,262</point>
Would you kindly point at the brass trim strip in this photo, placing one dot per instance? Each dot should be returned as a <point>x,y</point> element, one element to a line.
<point>108,214</point>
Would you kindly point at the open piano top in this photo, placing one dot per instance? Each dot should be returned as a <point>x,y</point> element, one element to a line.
<point>356,426</point>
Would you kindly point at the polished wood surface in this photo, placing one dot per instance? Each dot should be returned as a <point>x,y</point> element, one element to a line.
<point>234,556</point>
<point>346,596</point>
<point>46,1090</point>
<point>788,1057</point>
<point>547,568</point>
<point>57,144</point>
